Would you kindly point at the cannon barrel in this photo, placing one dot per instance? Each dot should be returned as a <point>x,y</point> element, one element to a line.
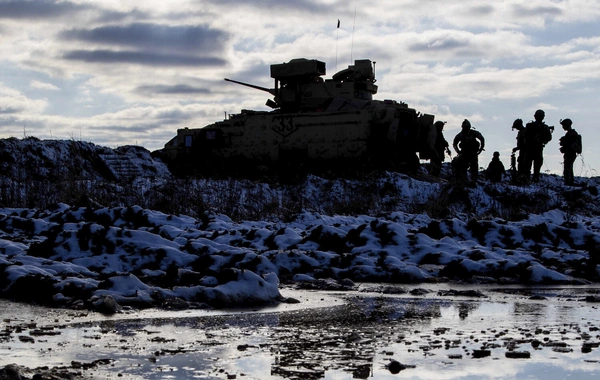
<point>269,90</point>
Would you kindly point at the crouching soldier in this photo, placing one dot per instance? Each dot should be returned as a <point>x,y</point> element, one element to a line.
<point>495,169</point>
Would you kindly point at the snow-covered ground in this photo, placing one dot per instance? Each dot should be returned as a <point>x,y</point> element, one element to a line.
<point>243,238</point>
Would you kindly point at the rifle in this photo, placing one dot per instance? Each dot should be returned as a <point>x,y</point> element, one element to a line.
<point>513,162</point>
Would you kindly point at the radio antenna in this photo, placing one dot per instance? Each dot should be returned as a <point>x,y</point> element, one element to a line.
<point>336,43</point>
<point>353,25</point>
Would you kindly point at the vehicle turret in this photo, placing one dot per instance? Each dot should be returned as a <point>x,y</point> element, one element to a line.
<point>299,85</point>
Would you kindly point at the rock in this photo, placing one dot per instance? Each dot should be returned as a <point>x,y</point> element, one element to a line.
<point>353,337</point>
<point>462,293</point>
<point>562,350</point>
<point>107,305</point>
<point>26,339</point>
<point>419,292</point>
<point>347,283</point>
<point>517,354</point>
<point>176,303</point>
<point>395,367</point>
<point>11,372</point>
<point>477,354</point>
<point>538,297</point>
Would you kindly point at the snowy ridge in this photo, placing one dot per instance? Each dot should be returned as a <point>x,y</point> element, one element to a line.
<point>52,160</point>
<point>226,242</point>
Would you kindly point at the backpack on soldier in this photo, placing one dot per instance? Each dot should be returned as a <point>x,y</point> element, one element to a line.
<point>541,133</point>
<point>577,145</point>
<point>546,134</point>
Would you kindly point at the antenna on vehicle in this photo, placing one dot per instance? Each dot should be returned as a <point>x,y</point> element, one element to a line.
<point>353,24</point>
<point>336,43</point>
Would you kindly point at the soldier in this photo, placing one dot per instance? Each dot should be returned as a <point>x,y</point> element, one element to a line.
<point>520,169</point>
<point>570,147</point>
<point>537,135</point>
<point>495,169</point>
<point>439,147</point>
<point>468,143</point>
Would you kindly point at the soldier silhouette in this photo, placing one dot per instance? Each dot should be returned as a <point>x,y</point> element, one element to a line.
<point>468,143</point>
<point>519,170</point>
<point>537,135</point>
<point>570,147</point>
<point>439,148</point>
<point>495,169</point>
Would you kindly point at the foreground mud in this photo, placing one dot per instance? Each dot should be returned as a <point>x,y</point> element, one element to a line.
<point>381,332</point>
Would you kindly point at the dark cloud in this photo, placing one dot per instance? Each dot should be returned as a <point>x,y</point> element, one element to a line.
<point>139,128</point>
<point>120,129</point>
<point>142,58</point>
<point>542,11</point>
<point>287,5</point>
<point>172,116</point>
<point>481,10</point>
<point>9,110</point>
<point>38,9</point>
<point>115,17</point>
<point>439,44</point>
<point>197,38</point>
<point>174,89</point>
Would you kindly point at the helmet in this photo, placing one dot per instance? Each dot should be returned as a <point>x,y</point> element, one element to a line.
<point>439,124</point>
<point>539,113</point>
<point>466,124</point>
<point>517,124</point>
<point>496,154</point>
<point>566,122</point>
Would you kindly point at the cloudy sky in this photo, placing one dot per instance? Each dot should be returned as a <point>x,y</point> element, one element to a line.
<point>117,72</point>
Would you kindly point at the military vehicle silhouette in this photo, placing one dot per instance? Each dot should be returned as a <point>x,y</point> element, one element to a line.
<point>315,123</point>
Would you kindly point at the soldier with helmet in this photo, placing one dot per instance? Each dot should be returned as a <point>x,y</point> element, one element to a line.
<point>468,143</point>
<point>495,170</point>
<point>537,135</point>
<point>570,146</point>
<point>519,171</point>
<point>440,146</point>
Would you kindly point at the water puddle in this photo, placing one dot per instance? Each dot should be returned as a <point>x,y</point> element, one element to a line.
<point>513,332</point>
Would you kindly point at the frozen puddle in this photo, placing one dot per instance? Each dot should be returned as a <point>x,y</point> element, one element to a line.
<point>549,333</point>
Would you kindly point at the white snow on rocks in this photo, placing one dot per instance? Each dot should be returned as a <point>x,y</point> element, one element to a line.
<point>248,236</point>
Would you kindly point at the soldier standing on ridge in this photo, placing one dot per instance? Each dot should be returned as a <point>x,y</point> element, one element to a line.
<point>520,167</point>
<point>440,146</point>
<point>570,147</point>
<point>468,143</point>
<point>537,135</point>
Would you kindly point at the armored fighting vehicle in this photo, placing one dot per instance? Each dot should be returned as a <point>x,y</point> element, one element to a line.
<point>315,123</point>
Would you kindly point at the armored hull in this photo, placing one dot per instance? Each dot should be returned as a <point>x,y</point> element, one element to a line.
<point>315,123</point>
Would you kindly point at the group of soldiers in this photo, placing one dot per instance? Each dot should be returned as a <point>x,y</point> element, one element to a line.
<point>531,140</point>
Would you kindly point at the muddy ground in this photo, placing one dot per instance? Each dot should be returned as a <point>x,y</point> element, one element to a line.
<point>434,331</point>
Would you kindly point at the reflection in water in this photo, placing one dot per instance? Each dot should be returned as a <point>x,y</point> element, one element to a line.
<point>381,337</point>
<point>345,337</point>
<point>464,308</point>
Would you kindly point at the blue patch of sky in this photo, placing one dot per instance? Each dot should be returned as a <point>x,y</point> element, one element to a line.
<point>67,100</point>
<point>557,33</point>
